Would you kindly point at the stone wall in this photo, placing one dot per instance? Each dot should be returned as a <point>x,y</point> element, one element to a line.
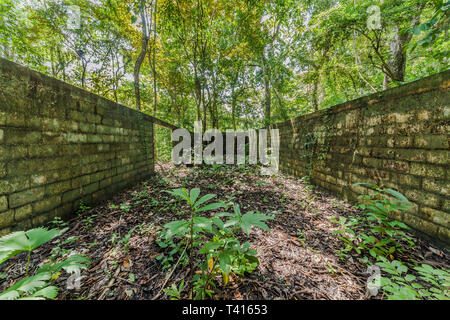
<point>398,138</point>
<point>60,145</point>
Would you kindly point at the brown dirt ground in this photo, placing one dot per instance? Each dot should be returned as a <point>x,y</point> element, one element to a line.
<point>289,267</point>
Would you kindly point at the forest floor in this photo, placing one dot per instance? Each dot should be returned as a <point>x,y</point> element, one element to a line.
<point>297,256</point>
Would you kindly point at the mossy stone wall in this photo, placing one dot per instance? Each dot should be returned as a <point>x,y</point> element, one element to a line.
<point>398,138</point>
<point>60,145</point>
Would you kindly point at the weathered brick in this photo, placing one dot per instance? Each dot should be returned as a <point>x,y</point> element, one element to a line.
<point>443,234</point>
<point>446,205</point>
<point>75,137</point>
<point>411,155</point>
<point>436,216</point>
<point>403,142</point>
<point>46,204</point>
<point>437,156</point>
<point>426,170</point>
<point>23,213</point>
<point>71,195</point>
<point>6,218</point>
<point>58,188</point>
<point>3,171</point>
<point>13,184</point>
<point>437,186</point>
<point>407,180</point>
<point>24,197</point>
<point>20,136</point>
<point>3,203</point>
<point>421,224</point>
<point>431,141</point>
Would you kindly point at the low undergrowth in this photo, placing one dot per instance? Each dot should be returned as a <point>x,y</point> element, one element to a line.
<point>381,242</point>
<point>209,245</point>
<point>38,285</point>
<point>220,232</point>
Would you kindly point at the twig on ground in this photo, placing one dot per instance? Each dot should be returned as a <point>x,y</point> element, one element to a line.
<point>170,274</point>
<point>110,284</point>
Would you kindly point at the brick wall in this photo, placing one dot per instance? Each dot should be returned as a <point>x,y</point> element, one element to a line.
<point>398,138</point>
<point>60,145</point>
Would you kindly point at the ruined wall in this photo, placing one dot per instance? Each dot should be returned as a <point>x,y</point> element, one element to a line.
<point>398,139</point>
<point>60,145</point>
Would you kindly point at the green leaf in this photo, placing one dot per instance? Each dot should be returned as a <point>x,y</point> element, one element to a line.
<point>49,292</point>
<point>254,219</point>
<point>237,209</point>
<point>194,195</point>
<point>202,223</point>
<point>397,195</point>
<point>70,265</point>
<point>211,206</point>
<point>178,228</point>
<point>210,246</point>
<point>26,285</point>
<point>231,222</point>
<point>204,199</point>
<point>17,242</point>
<point>218,222</point>
<point>181,193</point>
<point>225,262</point>
<point>410,277</point>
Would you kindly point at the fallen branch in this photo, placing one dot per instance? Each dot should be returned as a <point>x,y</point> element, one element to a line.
<point>110,284</point>
<point>170,274</point>
<point>127,281</point>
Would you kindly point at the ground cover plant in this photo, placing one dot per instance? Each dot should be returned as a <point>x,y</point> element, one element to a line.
<point>221,251</point>
<point>252,237</point>
<point>381,241</point>
<point>37,286</point>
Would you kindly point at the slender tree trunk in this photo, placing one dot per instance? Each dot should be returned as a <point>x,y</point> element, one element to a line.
<point>83,74</point>
<point>397,63</point>
<point>315,98</point>
<point>155,97</point>
<point>204,110</point>
<point>198,96</point>
<point>141,57</point>
<point>233,110</point>
<point>267,90</point>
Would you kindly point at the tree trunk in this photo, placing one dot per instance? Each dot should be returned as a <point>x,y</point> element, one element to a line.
<point>397,63</point>
<point>141,57</point>
<point>267,90</point>
<point>155,97</point>
<point>315,99</point>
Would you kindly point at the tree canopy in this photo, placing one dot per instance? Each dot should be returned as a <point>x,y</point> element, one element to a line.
<point>230,63</point>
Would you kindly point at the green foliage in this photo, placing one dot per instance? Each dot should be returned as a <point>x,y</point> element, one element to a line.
<point>18,242</point>
<point>173,292</point>
<point>83,208</point>
<point>125,240</point>
<point>235,64</point>
<point>403,285</point>
<point>125,207</point>
<point>37,286</point>
<point>382,238</point>
<point>434,31</point>
<point>246,221</point>
<point>375,233</point>
<point>212,242</point>
<point>31,288</point>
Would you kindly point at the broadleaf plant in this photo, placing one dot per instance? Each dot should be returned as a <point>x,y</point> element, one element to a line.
<point>37,286</point>
<point>212,243</point>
